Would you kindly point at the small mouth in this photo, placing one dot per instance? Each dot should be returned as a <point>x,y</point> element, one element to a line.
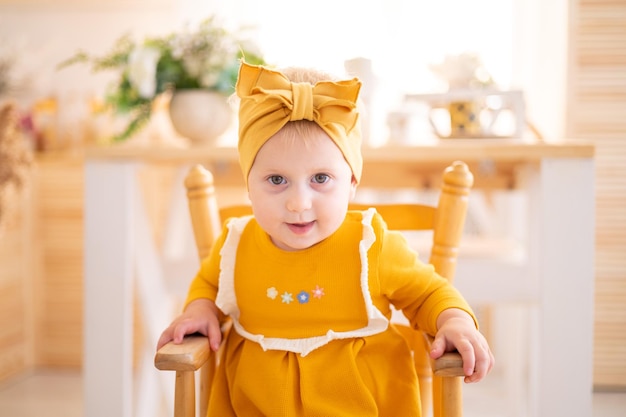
<point>300,228</point>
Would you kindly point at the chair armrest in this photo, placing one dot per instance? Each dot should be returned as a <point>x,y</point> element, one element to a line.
<point>189,355</point>
<point>448,364</point>
<point>194,351</point>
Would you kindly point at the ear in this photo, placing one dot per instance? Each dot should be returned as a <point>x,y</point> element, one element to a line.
<point>353,186</point>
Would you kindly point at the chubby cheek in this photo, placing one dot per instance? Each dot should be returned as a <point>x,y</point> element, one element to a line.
<point>333,218</point>
<point>261,203</point>
<point>267,214</point>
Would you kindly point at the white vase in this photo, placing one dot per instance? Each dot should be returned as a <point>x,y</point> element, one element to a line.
<point>202,116</point>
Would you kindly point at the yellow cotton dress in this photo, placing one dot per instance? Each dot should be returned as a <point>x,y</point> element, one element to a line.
<point>311,333</point>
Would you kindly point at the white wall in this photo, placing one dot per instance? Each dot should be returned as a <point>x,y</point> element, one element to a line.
<point>41,37</point>
<point>540,61</point>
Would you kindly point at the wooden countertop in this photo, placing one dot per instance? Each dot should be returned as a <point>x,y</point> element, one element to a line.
<point>504,150</point>
<point>493,161</point>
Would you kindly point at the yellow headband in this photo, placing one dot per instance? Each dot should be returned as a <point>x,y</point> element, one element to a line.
<point>269,101</point>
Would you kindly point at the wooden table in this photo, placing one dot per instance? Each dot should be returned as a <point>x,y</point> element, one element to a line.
<point>557,276</point>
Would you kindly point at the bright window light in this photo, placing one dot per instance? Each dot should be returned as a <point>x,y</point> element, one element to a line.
<point>401,37</point>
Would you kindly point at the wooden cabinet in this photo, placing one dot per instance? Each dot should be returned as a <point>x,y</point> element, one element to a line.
<point>16,301</point>
<point>41,272</point>
<point>58,287</point>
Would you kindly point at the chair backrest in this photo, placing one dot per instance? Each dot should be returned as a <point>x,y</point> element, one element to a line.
<point>446,220</point>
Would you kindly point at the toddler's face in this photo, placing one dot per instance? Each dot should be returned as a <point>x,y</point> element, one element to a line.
<point>300,189</point>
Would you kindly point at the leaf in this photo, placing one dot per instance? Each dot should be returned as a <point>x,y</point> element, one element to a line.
<point>136,124</point>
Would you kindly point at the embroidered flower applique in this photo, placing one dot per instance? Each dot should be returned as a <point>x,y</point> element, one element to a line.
<point>303,297</point>
<point>287,298</point>
<point>272,293</point>
<point>318,292</point>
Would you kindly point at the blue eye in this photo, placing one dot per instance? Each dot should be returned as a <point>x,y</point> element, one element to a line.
<point>276,180</point>
<point>320,178</point>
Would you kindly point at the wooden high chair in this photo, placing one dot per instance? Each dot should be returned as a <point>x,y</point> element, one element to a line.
<point>442,391</point>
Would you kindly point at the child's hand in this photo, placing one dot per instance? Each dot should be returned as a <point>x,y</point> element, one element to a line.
<point>457,331</point>
<point>200,316</point>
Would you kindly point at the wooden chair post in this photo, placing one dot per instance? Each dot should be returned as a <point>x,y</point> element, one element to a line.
<point>185,394</point>
<point>185,359</point>
<point>455,189</point>
<point>453,200</point>
<point>447,396</point>
<point>203,208</point>
<point>205,219</point>
<point>194,352</point>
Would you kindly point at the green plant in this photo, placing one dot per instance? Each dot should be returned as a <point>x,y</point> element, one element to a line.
<point>207,57</point>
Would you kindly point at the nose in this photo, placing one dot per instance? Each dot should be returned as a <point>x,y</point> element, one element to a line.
<point>299,199</point>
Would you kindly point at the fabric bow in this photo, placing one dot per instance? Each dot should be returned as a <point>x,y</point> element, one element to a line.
<point>269,100</point>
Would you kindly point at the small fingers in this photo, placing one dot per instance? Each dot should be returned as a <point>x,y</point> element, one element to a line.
<point>438,347</point>
<point>179,333</point>
<point>176,332</point>
<point>483,363</point>
<point>466,349</point>
<point>164,339</point>
<point>215,335</point>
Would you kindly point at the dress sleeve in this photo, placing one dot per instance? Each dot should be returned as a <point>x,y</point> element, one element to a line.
<point>413,286</point>
<point>205,283</point>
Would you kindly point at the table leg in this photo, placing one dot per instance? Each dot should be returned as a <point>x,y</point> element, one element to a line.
<point>110,190</point>
<point>562,238</point>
